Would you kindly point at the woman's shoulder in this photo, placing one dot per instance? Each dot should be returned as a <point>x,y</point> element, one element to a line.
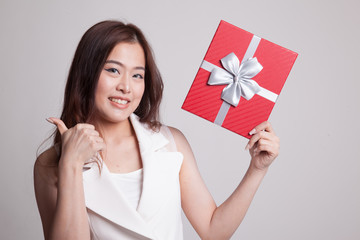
<point>46,165</point>
<point>179,138</point>
<point>175,132</point>
<point>47,158</point>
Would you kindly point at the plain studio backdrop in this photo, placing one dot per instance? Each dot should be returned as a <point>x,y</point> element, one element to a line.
<point>312,189</point>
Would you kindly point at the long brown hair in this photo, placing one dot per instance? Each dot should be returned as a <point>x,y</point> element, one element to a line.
<point>89,59</point>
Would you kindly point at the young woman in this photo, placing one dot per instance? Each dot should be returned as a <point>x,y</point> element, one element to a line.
<point>114,171</point>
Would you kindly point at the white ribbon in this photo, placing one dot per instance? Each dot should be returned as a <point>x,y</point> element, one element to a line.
<point>238,77</point>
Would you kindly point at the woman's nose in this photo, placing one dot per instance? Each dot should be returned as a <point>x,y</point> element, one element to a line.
<point>124,84</point>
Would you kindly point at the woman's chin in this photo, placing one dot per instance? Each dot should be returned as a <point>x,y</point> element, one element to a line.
<point>112,118</point>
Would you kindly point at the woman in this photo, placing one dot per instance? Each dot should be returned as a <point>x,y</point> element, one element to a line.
<point>114,171</point>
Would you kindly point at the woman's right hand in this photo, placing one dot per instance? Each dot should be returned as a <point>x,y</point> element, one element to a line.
<point>79,143</point>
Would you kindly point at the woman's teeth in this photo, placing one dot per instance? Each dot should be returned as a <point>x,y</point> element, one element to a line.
<point>118,101</point>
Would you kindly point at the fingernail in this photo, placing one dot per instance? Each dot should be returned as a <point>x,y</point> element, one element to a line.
<point>247,147</point>
<point>252,132</point>
<point>49,120</point>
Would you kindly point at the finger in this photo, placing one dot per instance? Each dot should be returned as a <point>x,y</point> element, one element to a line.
<point>102,146</point>
<point>98,139</point>
<point>80,126</point>
<point>264,126</point>
<point>95,133</point>
<point>99,146</point>
<point>95,142</point>
<point>88,131</point>
<point>264,143</point>
<point>255,138</point>
<point>269,149</point>
<point>59,124</point>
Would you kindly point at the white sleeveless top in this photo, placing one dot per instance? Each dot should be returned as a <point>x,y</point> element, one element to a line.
<point>130,184</point>
<point>144,204</point>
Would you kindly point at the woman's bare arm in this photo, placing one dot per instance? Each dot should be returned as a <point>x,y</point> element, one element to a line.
<point>45,184</point>
<point>210,221</point>
<point>60,195</point>
<point>60,200</point>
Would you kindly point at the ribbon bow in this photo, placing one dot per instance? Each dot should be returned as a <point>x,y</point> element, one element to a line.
<point>238,77</point>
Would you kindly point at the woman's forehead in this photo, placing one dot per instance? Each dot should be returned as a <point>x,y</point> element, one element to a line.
<point>128,54</point>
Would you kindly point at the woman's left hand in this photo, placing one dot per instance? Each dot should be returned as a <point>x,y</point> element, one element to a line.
<point>264,146</point>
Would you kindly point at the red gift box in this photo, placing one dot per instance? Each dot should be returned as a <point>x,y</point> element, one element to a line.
<point>239,79</point>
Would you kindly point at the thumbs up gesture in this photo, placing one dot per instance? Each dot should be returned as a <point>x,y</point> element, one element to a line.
<point>79,143</point>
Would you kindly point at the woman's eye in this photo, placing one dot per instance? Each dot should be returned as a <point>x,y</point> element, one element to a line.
<point>112,70</point>
<point>138,76</point>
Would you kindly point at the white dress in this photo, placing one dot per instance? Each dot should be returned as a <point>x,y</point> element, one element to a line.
<point>158,214</point>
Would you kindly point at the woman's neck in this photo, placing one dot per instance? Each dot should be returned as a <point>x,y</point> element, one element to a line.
<point>115,132</point>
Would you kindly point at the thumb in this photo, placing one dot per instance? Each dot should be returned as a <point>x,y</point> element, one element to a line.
<point>59,124</point>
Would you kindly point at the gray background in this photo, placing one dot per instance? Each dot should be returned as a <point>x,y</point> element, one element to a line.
<point>311,191</point>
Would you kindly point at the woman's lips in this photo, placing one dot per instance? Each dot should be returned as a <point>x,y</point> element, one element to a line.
<point>118,100</point>
<point>119,103</point>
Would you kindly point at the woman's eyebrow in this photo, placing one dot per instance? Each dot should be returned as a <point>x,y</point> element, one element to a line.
<point>122,65</point>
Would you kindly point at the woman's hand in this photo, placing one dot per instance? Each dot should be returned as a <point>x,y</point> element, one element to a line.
<point>264,146</point>
<point>79,143</point>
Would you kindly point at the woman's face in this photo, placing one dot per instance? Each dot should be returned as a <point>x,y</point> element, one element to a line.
<point>121,83</point>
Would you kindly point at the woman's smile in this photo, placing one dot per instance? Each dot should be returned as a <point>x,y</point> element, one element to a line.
<point>118,102</point>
